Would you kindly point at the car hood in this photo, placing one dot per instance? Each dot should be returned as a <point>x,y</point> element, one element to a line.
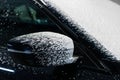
<point>100,21</point>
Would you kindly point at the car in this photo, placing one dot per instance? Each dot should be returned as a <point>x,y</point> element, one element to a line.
<point>28,30</point>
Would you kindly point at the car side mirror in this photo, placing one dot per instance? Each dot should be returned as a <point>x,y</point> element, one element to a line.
<point>42,49</point>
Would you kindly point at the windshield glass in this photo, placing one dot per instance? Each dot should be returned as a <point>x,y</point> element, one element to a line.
<point>100,21</point>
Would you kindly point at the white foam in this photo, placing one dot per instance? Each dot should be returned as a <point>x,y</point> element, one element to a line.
<point>100,18</point>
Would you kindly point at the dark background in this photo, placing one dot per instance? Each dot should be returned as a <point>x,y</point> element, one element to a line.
<point>116,1</point>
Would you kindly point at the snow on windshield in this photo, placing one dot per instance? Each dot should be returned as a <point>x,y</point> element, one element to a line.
<point>99,18</point>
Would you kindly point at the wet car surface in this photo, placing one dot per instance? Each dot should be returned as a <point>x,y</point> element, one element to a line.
<point>9,70</point>
<point>70,72</point>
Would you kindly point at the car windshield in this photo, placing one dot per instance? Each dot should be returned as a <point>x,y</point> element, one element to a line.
<point>98,20</point>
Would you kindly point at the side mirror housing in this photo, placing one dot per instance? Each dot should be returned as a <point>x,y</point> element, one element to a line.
<point>42,49</point>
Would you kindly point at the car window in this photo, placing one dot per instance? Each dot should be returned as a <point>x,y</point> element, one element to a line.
<point>25,13</point>
<point>22,17</point>
<point>22,11</point>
